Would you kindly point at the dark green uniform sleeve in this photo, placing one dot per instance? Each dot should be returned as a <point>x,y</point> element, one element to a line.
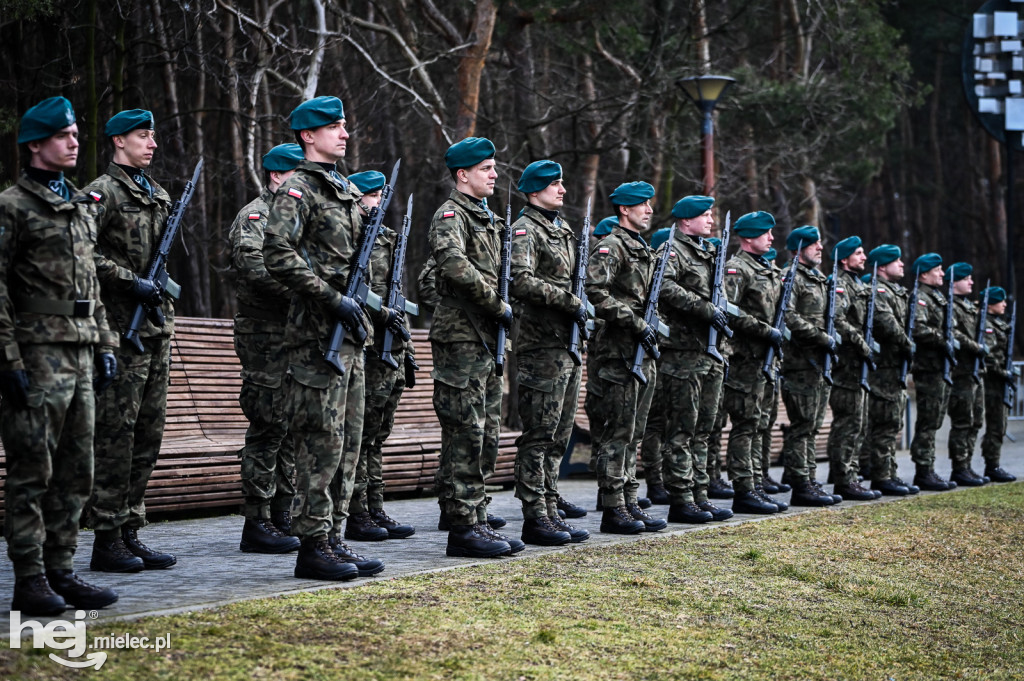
<point>448,244</point>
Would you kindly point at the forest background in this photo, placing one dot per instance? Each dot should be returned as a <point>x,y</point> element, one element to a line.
<point>847,115</point>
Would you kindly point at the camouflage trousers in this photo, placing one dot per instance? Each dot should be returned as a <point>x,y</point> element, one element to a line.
<point>995,421</point>
<point>268,458</point>
<point>593,406</point>
<point>549,386</point>
<point>467,400</point>
<point>130,417</point>
<point>690,384</point>
<point>849,406</point>
<point>805,395</point>
<point>932,401</point>
<point>884,421</point>
<point>324,413</point>
<point>384,388</point>
<point>714,460</point>
<point>625,403</point>
<point>745,405</point>
<point>768,418</point>
<point>966,416</point>
<point>49,458</point>
<point>653,442</point>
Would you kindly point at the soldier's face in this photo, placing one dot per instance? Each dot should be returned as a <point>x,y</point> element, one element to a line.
<point>636,217</point>
<point>855,261</point>
<point>893,271</point>
<point>478,181</point>
<point>759,245</point>
<point>963,286</point>
<point>135,148</point>
<point>326,144</point>
<point>551,197</point>
<point>933,277</point>
<point>997,308</point>
<point>58,152</point>
<point>698,226</point>
<point>369,200</point>
<point>811,255</point>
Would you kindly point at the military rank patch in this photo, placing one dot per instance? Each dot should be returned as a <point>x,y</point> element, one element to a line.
<point>254,216</point>
<point>447,214</point>
<point>295,193</point>
<point>96,196</point>
<point>604,250</point>
<point>520,232</point>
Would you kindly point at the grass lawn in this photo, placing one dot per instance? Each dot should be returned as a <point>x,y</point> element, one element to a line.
<point>926,588</point>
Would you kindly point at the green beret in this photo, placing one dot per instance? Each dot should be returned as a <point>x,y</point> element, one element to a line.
<point>283,157</point>
<point>845,248</point>
<point>959,270</point>
<point>802,237</point>
<point>45,118</point>
<point>866,277</point>
<point>468,152</point>
<point>692,206</point>
<point>996,294</point>
<point>884,254</point>
<point>632,193</point>
<point>660,237</point>
<point>317,112</point>
<point>753,225</point>
<point>368,181</point>
<point>126,121</point>
<point>538,175</point>
<point>926,262</point>
<point>604,228</point>
<point>770,254</point>
<point>714,240</point>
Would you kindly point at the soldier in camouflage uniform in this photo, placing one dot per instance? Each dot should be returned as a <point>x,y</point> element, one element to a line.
<point>804,390</point>
<point>753,284</point>
<point>591,404</point>
<point>997,335</point>
<point>384,387</point>
<point>132,212</point>
<point>268,461</point>
<point>53,329</point>
<point>849,399</point>
<point>311,244</point>
<point>543,261</point>
<point>465,240</point>
<point>618,283</point>
<point>427,286</point>
<point>931,349</point>
<point>767,424</point>
<point>966,398</point>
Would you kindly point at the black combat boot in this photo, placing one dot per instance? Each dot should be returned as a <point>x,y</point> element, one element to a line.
<point>576,534</point>
<point>260,535</point>
<point>495,521</point>
<point>836,497</point>
<point>716,512</point>
<point>109,554</point>
<point>927,479</point>
<point>689,512</point>
<point>643,502</point>
<point>316,560</point>
<point>360,527</point>
<point>282,520</point>
<point>913,489</point>
<point>570,509</point>
<point>966,477</point>
<point>396,530</point>
<point>651,524</point>
<point>367,567</point>
<point>153,560</point>
<point>890,488</point>
<point>542,532</point>
<point>855,492</point>
<point>999,474</point>
<point>33,596</point>
<point>619,520</point>
<point>471,541</point>
<point>806,494</point>
<point>767,479</point>
<point>749,501</point>
<point>513,543</point>
<point>79,594</point>
<point>657,493</point>
<point>720,489</point>
<point>782,505</point>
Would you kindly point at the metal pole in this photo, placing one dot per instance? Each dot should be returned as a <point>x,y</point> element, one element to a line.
<point>1011,279</point>
<point>707,130</point>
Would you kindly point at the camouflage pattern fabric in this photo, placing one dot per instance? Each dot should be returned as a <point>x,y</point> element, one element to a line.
<point>846,435</point>
<point>885,421</point>
<point>653,441</point>
<point>594,407</point>
<point>771,399</point>
<point>426,286</point>
<point>997,336</point>
<point>714,461</point>
<point>966,398</point>
<point>343,484</point>
<point>685,300</point>
<point>932,391</point>
<point>744,407</point>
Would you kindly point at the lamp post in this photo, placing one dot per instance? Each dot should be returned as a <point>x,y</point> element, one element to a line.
<point>705,91</point>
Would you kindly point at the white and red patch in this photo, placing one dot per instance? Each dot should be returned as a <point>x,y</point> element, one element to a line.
<point>840,290</point>
<point>254,216</point>
<point>671,254</point>
<point>520,232</point>
<point>922,303</point>
<point>881,290</point>
<point>731,271</point>
<point>990,330</point>
<point>448,214</point>
<point>604,251</point>
<point>295,193</point>
<point>96,196</point>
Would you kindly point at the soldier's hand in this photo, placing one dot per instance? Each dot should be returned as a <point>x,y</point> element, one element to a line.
<point>830,343</point>
<point>581,315</point>
<point>505,319</point>
<point>395,321</point>
<point>106,371</point>
<point>719,320</point>
<point>983,350</point>
<point>649,339</point>
<point>951,349</point>
<point>146,291</point>
<point>14,387</point>
<point>775,337</point>
<point>410,371</point>
<point>863,349</point>
<point>349,313</point>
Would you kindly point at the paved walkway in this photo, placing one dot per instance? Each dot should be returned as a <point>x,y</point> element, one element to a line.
<point>211,571</point>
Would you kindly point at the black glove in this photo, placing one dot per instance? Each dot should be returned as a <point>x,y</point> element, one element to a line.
<point>830,343</point>
<point>719,320</point>
<point>349,313</point>
<point>983,350</point>
<point>505,319</point>
<point>951,350</point>
<point>649,339</point>
<point>145,291</point>
<point>14,387</point>
<point>775,337</point>
<point>395,321</point>
<point>410,371</point>
<point>580,317</point>
<point>106,371</point>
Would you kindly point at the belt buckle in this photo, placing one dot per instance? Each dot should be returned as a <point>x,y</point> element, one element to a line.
<point>83,308</point>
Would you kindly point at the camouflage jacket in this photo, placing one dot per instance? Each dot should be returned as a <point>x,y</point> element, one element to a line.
<point>426,286</point>
<point>805,319</point>
<point>465,240</point>
<point>685,301</point>
<point>850,317</point>
<point>543,260</point>
<point>997,336</point>
<point>262,300</point>
<point>311,243</point>
<point>130,223</point>
<point>46,256</point>
<point>754,285</point>
<point>890,327</point>
<point>380,268</point>
<point>965,330</point>
<point>929,329</point>
<point>618,280</point>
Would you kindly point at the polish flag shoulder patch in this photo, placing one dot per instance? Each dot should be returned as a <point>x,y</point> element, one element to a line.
<point>840,290</point>
<point>731,271</point>
<point>604,250</point>
<point>295,193</point>
<point>922,303</point>
<point>448,214</point>
<point>254,216</point>
<point>882,290</point>
<point>990,330</point>
<point>96,196</point>
<point>671,254</point>
<point>520,232</point>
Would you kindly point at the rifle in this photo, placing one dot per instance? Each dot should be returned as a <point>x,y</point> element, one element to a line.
<point>503,277</point>
<point>358,285</point>
<point>869,330</point>
<point>157,270</point>
<point>718,297</point>
<point>651,311</point>
<point>579,281</point>
<point>980,337</point>
<point>830,321</point>
<point>779,323</point>
<point>911,315</point>
<point>949,361</point>
<point>395,298</point>
<point>1010,389</point>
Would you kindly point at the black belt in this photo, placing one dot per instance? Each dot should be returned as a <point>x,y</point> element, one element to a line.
<point>66,308</point>
<point>261,313</point>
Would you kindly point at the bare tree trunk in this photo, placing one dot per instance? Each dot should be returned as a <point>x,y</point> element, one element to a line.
<point>316,59</point>
<point>938,192</point>
<point>591,161</point>
<point>471,68</point>
<point>698,10</point>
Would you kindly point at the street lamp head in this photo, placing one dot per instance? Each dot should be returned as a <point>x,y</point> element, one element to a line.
<point>705,91</point>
